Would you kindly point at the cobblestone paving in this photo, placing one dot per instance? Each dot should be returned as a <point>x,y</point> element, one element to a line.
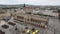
<point>54,24</point>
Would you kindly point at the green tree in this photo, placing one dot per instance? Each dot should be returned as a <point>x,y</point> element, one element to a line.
<point>59,13</point>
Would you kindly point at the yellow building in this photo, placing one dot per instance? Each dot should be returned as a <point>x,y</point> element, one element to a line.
<point>31,19</point>
<point>4,14</point>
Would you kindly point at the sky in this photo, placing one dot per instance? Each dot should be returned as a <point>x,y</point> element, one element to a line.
<point>33,2</point>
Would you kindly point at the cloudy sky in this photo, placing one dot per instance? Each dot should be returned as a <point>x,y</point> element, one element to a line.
<point>35,2</point>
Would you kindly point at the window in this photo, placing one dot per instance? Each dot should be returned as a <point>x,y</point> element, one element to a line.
<point>20,17</point>
<point>34,20</point>
<point>11,23</point>
<point>5,26</point>
<point>19,20</point>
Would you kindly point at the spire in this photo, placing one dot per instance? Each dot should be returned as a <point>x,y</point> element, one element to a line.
<point>24,4</point>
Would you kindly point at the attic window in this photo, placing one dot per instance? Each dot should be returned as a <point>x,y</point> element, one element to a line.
<point>11,23</point>
<point>5,26</point>
<point>20,17</point>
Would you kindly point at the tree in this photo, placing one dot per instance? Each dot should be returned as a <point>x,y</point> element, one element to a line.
<point>59,13</point>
